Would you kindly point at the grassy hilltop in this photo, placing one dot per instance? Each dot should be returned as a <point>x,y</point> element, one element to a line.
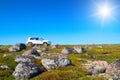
<point>106,52</point>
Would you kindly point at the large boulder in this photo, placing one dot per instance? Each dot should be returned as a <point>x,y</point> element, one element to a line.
<point>79,49</point>
<point>96,67</point>
<point>68,51</point>
<point>26,69</point>
<point>21,46</point>
<point>114,70</point>
<point>56,60</point>
<point>17,47</point>
<point>14,49</point>
<point>32,52</point>
<point>51,64</point>
<point>27,59</point>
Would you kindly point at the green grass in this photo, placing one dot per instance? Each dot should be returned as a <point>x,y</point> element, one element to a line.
<point>7,74</point>
<point>108,53</point>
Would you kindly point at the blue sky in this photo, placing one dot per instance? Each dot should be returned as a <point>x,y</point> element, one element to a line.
<point>61,21</point>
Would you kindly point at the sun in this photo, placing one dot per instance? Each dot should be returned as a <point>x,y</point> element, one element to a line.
<point>104,11</point>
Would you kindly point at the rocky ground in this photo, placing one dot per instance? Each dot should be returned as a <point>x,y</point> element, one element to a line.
<point>60,62</point>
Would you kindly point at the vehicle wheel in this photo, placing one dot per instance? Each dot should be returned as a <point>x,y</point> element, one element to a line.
<point>45,44</point>
<point>30,44</point>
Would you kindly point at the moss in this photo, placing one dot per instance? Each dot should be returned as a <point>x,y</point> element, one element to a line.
<point>64,73</point>
<point>108,53</point>
<point>6,75</point>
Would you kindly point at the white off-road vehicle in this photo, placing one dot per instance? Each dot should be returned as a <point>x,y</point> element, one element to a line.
<point>37,41</point>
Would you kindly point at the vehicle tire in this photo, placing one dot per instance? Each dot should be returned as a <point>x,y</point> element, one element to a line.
<point>30,44</point>
<point>45,44</point>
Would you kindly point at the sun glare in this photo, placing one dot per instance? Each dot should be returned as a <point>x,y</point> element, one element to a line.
<point>104,11</point>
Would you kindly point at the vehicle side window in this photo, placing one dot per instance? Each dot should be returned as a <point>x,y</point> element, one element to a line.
<point>37,38</point>
<point>31,38</point>
<point>34,38</point>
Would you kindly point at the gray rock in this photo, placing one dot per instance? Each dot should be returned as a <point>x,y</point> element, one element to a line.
<point>97,67</point>
<point>26,68</point>
<point>79,49</point>
<point>45,49</point>
<point>24,59</point>
<point>68,51</point>
<point>4,67</point>
<point>51,64</point>
<point>43,55</point>
<point>64,62</point>
<point>91,56</point>
<point>114,70</point>
<point>1,51</point>
<point>14,49</point>
<point>100,47</point>
<point>55,46</point>
<point>26,71</point>
<point>38,48</point>
<point>9,54</point>
<point>32,52</point>
<point>17,47</point>
<point>39,51</point>
<point>21,46</point>
<point>55,61</point>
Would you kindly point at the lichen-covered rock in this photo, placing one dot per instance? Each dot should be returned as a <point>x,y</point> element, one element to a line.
<point>26,71</point>
<point>79,49</point>
<point>24,59</point>
<point>96,67</point>
<point>21,46</point>
<point>114,70</point>
<point>26,68</point>
<point>14,49</point>
<point>51,64</point>
<point>32,52</point>
<point>17,47</point>
<point>53,61</point>
<point>68,51</point>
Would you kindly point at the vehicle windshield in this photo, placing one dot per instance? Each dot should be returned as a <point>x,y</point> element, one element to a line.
<point>41,39</point>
